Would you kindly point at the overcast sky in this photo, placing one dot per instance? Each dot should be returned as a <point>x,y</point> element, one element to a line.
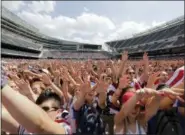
<point>95,21</point>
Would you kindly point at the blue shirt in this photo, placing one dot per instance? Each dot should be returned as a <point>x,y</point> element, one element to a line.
<point>88,120</point>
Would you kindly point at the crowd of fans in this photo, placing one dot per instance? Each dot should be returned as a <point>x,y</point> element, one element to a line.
<point>75,54</point>
<point>93,96</point>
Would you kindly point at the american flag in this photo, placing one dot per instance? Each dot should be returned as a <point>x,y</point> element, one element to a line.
<point>177,77</point>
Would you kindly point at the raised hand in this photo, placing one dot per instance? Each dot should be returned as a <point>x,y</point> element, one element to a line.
<point>152,79</point>
<point>56,73</point>
<point>124,56</point>
<point>24,87</point>
<point>65,76</point>
<point>174,95</point>
<point>86,76</point>
<point>45,79</point>
<point>148,92</point>
<point>145,57</point>
<point>85,88</point>
<point>102,86</point>
<point>13,76</point>
<point>29,73</point>
<point>124,82</point>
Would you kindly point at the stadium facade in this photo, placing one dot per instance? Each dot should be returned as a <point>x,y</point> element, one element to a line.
<point>22,40</point>
<point>165,41</point>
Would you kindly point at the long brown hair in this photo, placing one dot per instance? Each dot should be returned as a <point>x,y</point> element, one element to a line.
<point>138,119</point>
<point>126,121</point>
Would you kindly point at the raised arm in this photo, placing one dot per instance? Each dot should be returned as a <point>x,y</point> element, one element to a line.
<point>46,80</point>
<point>9,124</point>
<point>170,99</point>
<point>127,107</point>
<point>123,83</point>
<point>28,114</point>
<point>25,89</point>
<point>65,88</point>
<point>151,107</point>
<point>114,72</point>
<point>101,89</point>
<point>84,88</point>
<point>123,62</point>
<point>144,77</point>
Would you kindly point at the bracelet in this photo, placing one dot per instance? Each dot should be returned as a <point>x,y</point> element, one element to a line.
<point>141,91</point>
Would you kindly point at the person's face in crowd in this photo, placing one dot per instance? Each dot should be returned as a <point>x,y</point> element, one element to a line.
<point>37,87</point>
<point>131,74</point>
<point>163,77</point>
<point>109,71</point>
<point>135,112</point>
<point>108,80</point>
<point>51,107</point>
<point>14,69</point>
<point>169,70</point>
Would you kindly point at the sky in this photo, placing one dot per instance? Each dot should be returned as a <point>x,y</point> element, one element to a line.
<point>95,21</point>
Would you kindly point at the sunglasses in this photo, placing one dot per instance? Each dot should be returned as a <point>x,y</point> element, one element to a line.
<point>130,73</point>
<point>49,109</point>
<point>168,70</point>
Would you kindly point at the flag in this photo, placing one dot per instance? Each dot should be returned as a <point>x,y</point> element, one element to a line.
<point>177,77</point>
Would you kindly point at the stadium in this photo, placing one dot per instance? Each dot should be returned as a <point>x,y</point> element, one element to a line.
<point>53,85</point>
<point>21,40</point>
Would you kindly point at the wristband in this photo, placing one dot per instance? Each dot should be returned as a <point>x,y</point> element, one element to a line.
<point>141,91</point>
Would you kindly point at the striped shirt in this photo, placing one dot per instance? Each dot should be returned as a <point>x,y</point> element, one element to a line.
<point>137,84</point>
<point>110,107</point>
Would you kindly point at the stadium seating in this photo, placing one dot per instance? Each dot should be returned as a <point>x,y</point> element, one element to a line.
<point>17,52</point>
<point>21,39</point>
<point>18,42</point>
<point>15,39</point>
<point>75,55</point>
<point>164,37</point>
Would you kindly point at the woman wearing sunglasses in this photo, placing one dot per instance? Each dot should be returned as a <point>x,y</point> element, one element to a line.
<point>131,119</point>
<point>36,118</point>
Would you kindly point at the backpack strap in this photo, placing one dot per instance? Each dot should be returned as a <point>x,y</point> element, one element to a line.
<point>160,116</point>
<point>161,127</point>
<point>164,117</point>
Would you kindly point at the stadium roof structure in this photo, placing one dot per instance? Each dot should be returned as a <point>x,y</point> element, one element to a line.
<point>173,22</point>
<point>14,18</point>
<point>163,26</point>
<point>5,13</point>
